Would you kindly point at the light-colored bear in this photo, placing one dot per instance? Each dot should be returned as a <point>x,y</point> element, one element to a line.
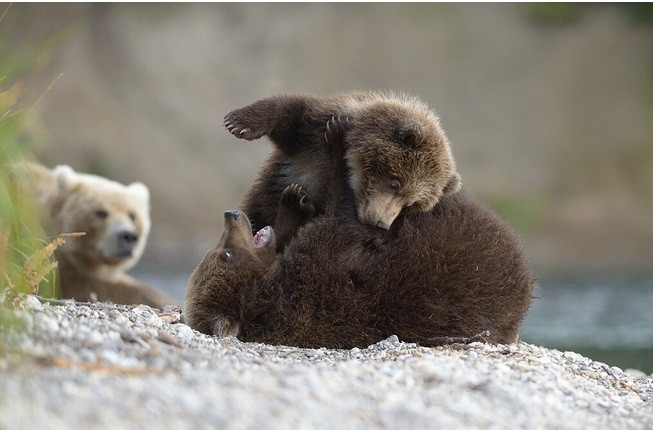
<point>115,220</point>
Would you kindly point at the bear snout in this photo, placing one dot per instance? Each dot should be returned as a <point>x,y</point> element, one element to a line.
<point>232,214</point>
<point>127,240</point>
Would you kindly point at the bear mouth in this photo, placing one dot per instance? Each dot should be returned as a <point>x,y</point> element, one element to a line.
<point>262,237</point>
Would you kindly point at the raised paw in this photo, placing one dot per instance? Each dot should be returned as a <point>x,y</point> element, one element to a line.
<point>246,123</point>
<point>295,198</point>
<point>335,129</point>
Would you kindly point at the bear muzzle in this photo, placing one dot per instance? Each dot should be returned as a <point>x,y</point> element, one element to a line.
<point>380,210</point>
<point>127,240</point>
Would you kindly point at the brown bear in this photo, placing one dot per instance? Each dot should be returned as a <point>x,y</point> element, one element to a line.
<point>115,220</point>
<point>397,154</point>
<point>456,272</point>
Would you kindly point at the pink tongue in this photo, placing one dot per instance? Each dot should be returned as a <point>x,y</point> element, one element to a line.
<point>262,237</point>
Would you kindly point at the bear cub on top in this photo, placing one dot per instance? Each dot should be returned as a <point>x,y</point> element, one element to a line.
<point>452,272</point>
<point>398,156</point>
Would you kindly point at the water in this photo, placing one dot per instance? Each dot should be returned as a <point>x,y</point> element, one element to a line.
<point>609,320</point>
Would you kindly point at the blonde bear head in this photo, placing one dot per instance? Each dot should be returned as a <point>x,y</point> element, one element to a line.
<point>114,218</point>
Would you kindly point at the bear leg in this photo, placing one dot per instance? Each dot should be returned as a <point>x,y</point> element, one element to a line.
<point>295,209</point>
<point>286,120</point>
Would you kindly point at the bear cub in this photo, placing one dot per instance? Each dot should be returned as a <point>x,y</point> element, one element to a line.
<point>398,156</point>
<point>454,273</point>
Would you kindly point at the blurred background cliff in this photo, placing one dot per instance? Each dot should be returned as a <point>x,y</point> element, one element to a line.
<point>549,108</point>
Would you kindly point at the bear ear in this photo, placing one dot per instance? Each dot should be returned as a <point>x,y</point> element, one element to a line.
<point>140,190</point>
<point>64,177</point>
<point>408,134</point>
<point>454,185</point>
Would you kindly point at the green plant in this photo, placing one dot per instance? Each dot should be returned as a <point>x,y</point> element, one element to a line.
<point>26,259</point>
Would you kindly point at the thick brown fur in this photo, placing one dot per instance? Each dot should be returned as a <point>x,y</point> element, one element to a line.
<point>397,154</point>
<point>115,221</point>
<point>455,271</point>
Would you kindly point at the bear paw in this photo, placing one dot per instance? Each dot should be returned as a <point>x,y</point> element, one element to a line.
<point>245,123</point>
<point>335,129</point>
<point>295,198</point>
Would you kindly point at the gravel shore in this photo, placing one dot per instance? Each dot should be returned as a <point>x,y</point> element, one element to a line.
<point>82,365</point>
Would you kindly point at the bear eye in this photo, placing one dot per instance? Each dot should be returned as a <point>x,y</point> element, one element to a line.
<point>132,216</point>
<point>395,186</point>
<point>225,255</point>
<point>102,214</point>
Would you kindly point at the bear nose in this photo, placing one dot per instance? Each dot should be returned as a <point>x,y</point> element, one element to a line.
<point>232,214</point>
<point>127,240</point>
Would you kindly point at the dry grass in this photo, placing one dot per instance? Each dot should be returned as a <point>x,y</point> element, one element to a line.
<point>36,268</point>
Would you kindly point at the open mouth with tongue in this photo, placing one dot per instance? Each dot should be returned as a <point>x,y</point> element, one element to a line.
<point>262,237</point>
<point>237,233</point>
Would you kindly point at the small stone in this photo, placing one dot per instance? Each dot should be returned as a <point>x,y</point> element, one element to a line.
<point>142,312</point>
<point>635,372</point>
<point>171,309</point>
<point>185,333</point>
<point>117,316</point>
<point>154,321</point>
<point>166,337</point>
<point>131,336</point>
<point>32,303</point>
<point>170,318</point>
<point>572,355</point>
<point>392,339</point>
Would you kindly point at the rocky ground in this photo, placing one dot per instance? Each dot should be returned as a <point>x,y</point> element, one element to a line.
<point>81,365</point>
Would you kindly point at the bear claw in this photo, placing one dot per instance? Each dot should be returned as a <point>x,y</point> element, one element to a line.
<point>242,126</point>
<point>295,197</point>
<point>335,128</point>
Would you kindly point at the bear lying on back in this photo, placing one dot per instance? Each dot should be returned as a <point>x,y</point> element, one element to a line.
<point>454,272</point>
<point>116,221</point>
<point>397,155</point>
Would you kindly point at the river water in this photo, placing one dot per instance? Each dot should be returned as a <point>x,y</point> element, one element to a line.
<point>609,320</point>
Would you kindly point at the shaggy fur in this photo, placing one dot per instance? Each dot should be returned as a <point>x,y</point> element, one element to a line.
<point>454,271</point>
<point>398,156</point>
<point>116,221</point>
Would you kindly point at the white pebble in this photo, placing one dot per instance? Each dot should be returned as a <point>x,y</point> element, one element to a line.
<point>635,372</point>
<point>392,339</point>
<point>185,333</point>
<point>32,303</point>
